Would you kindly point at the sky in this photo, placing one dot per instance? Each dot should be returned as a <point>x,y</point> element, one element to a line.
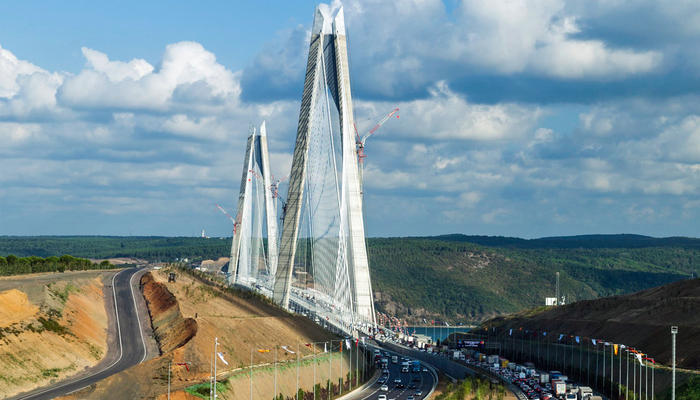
<point>517,118</point>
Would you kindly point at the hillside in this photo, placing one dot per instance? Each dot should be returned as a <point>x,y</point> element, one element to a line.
<point>474,281</point>
<point>51,326</point>
<point>475,276</point>
<point>188,315</point>
<point>641,320</point>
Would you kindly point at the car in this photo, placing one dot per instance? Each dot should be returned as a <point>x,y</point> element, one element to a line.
<point>384,388</point>
<point>397,380</point>
<point>381,397</point>
<point>400,386</point>
<point>410,398</point>
<point>412,386</point>
<point>418,393</point>
<point>425,369</point>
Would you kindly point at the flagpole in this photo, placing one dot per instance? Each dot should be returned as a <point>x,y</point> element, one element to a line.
<point>646,381</point>
<point>211,373</point>
<point>627,376</point>
<point>276,371</point>
<point>313,347</point>
<point>603,391</point>
<point>619,372</point>
<point>340,389</point>
<point>251,373</point>
<point>634,380</point>
<point>330,375</point>
<point>298,351</point>
<point>653,369</point>
<point>612,365</point>
<point>597,374</point>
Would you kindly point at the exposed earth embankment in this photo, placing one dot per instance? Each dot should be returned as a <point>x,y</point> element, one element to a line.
<point>171,329</point>
<point>52,326</point>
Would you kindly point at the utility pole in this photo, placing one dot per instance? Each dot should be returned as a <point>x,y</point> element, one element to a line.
<point>557,290</point>
<point>674,332</point>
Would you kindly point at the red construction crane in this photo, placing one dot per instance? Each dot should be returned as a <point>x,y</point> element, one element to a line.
<point>235,222</point>
<point>274,187</point>
<point>360,141</point>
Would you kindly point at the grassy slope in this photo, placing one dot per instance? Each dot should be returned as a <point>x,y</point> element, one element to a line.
<point>453,277</point>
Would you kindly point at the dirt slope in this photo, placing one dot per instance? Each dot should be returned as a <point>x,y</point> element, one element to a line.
<point>170,328</point>
<point>241,325</point>
<point>641,320</point>
<point>51,326</point>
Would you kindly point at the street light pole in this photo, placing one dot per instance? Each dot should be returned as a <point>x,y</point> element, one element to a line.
<point>674,332</point>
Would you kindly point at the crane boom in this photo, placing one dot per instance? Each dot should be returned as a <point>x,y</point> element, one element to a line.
<point>227,214</point>
<point>379,124</point>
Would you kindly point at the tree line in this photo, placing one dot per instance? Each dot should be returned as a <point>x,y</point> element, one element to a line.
<point>13,265</point>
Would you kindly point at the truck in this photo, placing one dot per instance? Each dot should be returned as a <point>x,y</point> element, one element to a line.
<point>416,366</point>
<point>455,354</point>
<point>394,359</point>
<point>492,359</point>
<point>544,378</point>
<point>558,387</point>
<point>584,391</point>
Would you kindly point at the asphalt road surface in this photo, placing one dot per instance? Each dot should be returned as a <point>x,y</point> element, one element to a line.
<point>130,341</point>
<point>412,381</point>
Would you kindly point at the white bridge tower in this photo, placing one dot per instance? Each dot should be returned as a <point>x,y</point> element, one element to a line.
<point>322,246</point>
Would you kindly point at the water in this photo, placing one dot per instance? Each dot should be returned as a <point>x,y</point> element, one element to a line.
<point>437,332</point>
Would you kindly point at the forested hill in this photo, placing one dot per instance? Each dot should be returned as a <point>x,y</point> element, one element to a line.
<point>579,241</point>
<point>448,277</point>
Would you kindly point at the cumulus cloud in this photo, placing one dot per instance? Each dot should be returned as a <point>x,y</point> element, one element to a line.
<point>185,66</point>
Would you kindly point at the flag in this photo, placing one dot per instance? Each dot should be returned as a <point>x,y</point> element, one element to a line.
<point>595,343</point>
<point>285,348</point>
<point>325,349</point>
<point>363,340</point>
<point>357,342</point>
<point>347,344</point>
<point>639,357</point>
<point>607,343</point>
<point>561,335</point>
<point>615,347</point>
<point>221,356</point>
<point>263,350</point>
<point>511,332</point>
<point>578,339</point>
<point>307,344</point>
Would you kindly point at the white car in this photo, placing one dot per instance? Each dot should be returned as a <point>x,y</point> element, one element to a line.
<point>397,380</point>
<point>384,388</point>
<point>381,397</point>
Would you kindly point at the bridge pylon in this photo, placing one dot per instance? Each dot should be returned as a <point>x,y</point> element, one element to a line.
<point>322,246</point>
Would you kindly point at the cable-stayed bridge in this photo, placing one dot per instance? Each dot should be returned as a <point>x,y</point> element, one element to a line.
<point>318,262</point>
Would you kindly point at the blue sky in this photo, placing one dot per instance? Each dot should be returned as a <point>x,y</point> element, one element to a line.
<point>528,118</point>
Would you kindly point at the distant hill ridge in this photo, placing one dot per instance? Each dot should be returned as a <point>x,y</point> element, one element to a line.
<point>598,241</point>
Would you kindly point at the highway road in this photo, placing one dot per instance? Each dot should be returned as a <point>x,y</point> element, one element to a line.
<point>130,344</point>
<point>412,381</point>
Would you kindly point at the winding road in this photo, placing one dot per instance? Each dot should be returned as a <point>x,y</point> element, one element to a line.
<point>130,343</point>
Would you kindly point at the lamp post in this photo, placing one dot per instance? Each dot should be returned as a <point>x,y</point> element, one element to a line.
<point>674,332</point>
